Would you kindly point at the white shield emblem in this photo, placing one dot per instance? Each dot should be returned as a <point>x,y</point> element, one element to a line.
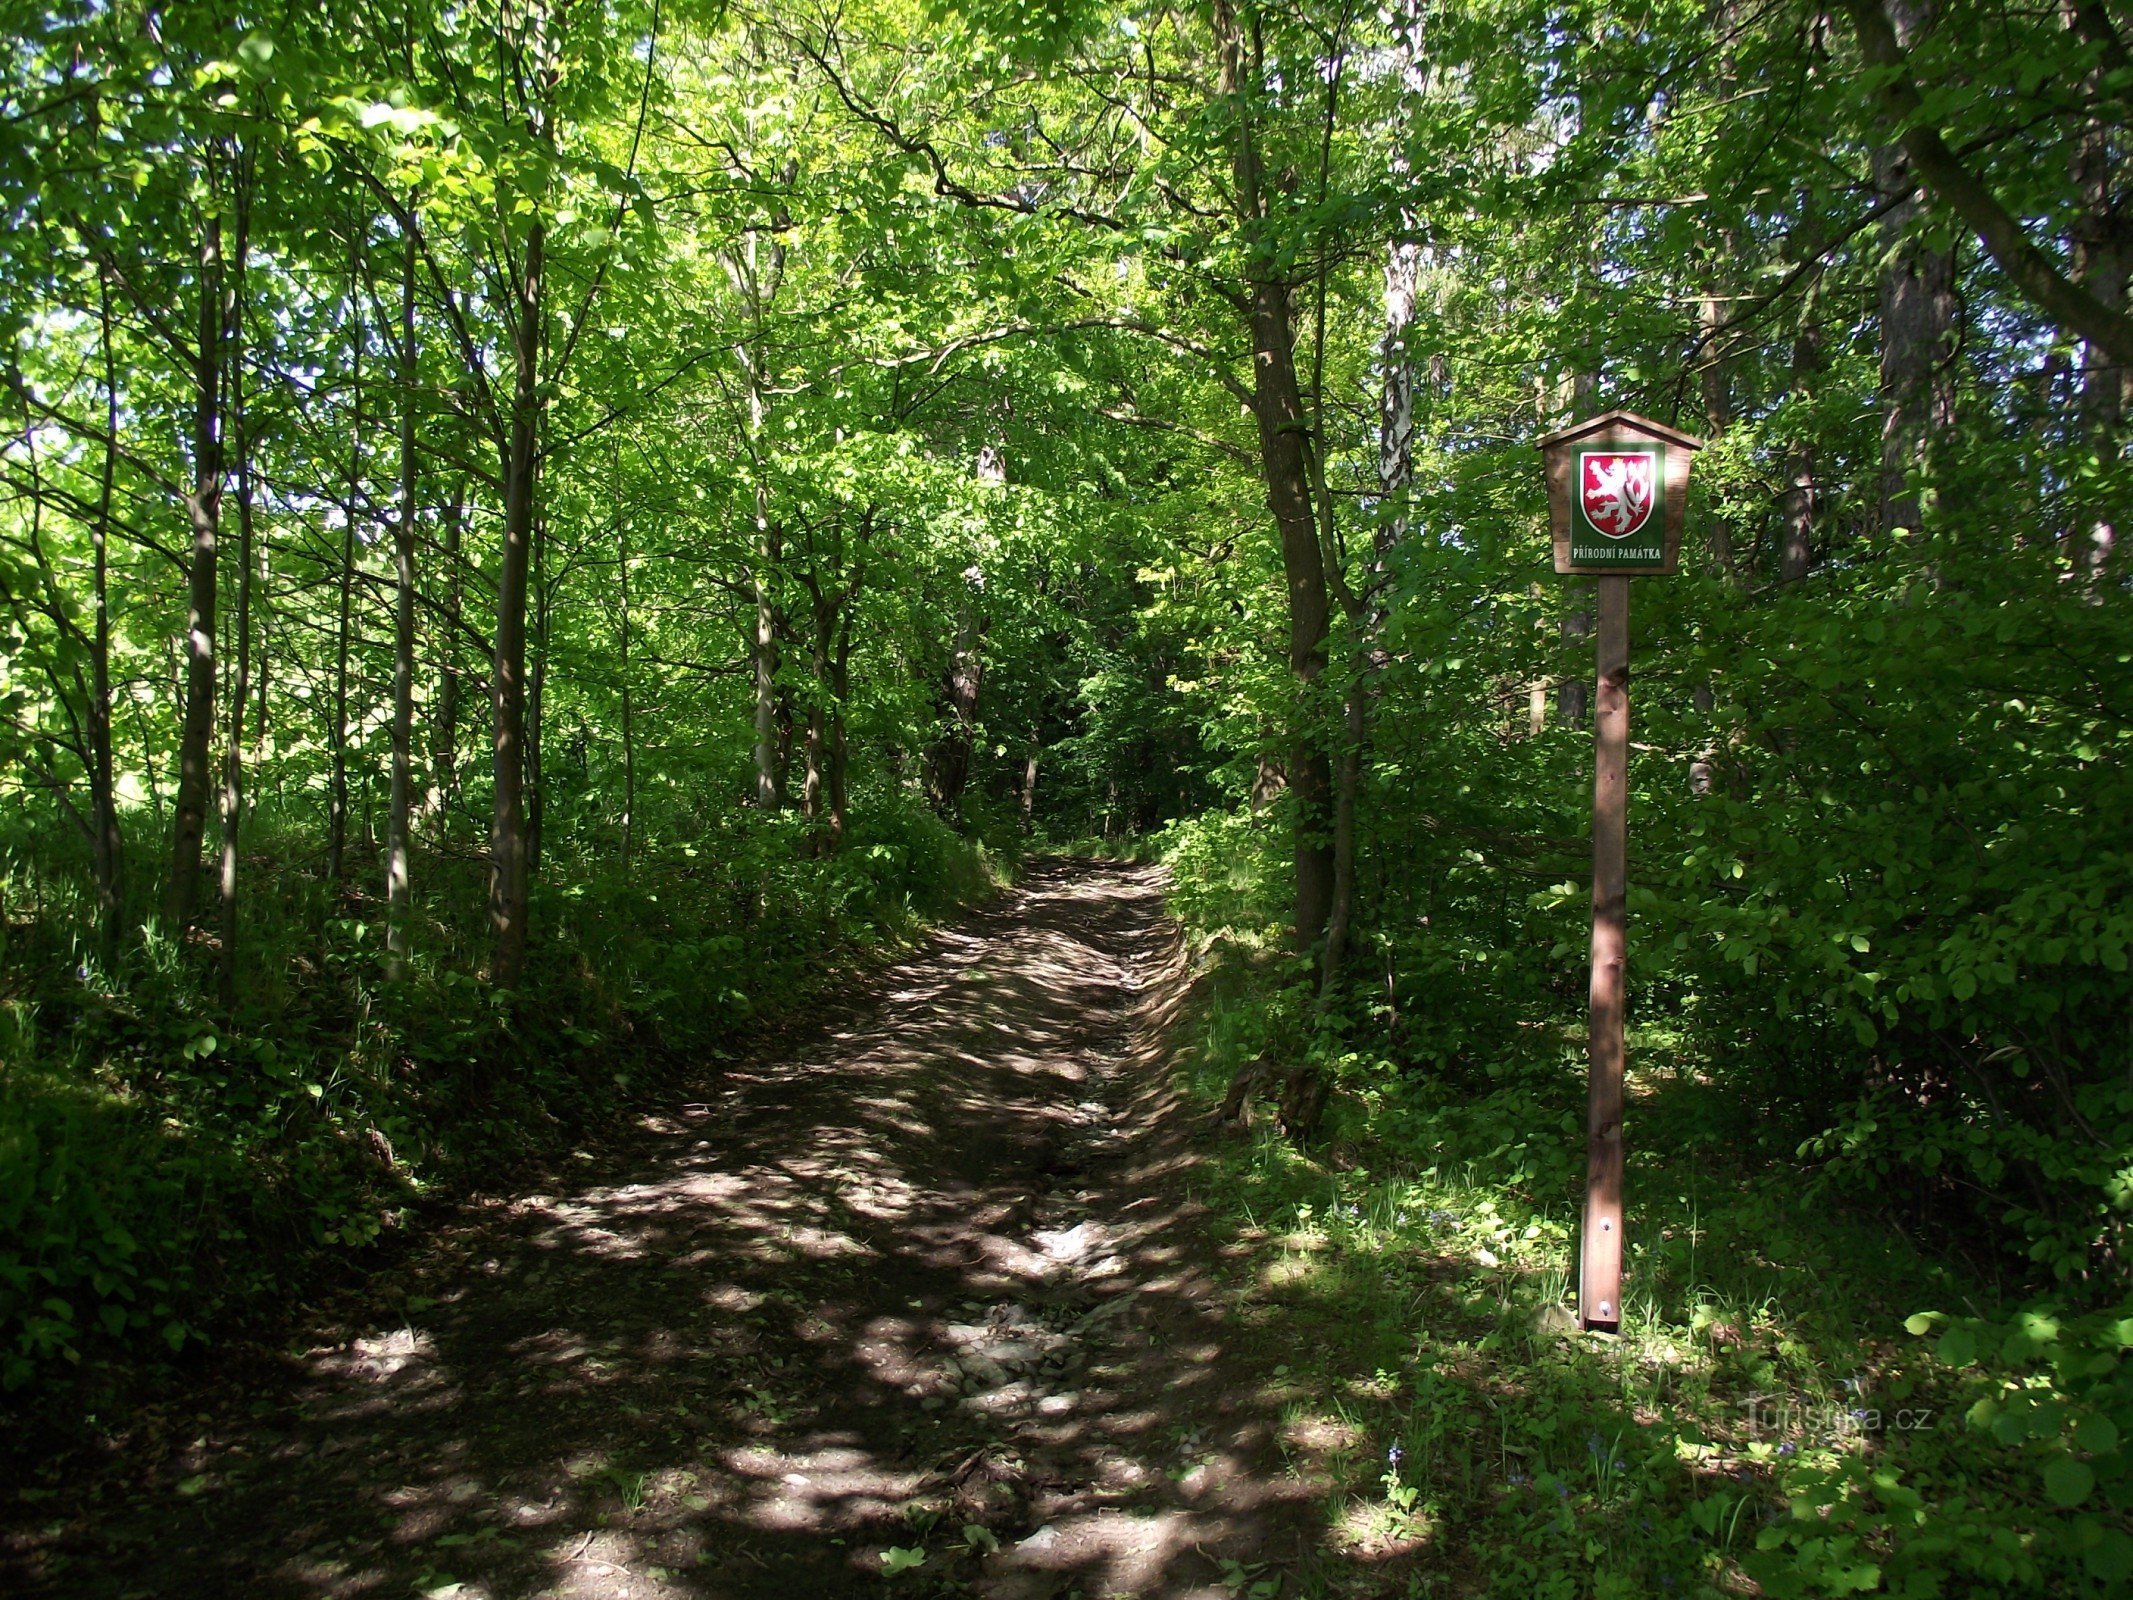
<point>1616,489</point>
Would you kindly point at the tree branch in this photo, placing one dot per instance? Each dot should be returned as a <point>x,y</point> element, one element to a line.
<point>2028,268</point>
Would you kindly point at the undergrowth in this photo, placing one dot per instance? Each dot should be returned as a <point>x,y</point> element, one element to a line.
<point>170,1167</point>
<point>1804,1400</point>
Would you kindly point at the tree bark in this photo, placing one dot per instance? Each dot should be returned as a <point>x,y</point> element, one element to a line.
<point>1573,696</point>
<point>204,514</point>
<point>1715,382</point>
<point>1797,511</point>
<point>840,686</point>
<point>399,887</point>
<point>537,689</point>
<point>622,651</point>
<point>107,842</point>
<point>444,730</point>
<point>1916,296</point>
<point>1284,444</point>
<point>1396,429</point>
<point>233,754</point>
<point>769,784</point>
<point>812,750</point>
<point>746,272</point>
<point>509,881</point>
<point>2103,251</point>
<point>950,762</point>
<point>344,623</point>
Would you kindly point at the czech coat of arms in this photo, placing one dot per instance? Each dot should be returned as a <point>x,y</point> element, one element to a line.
<point>1615,489</point>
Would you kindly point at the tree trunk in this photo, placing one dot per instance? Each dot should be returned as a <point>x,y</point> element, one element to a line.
<point>266,654</point>
<point>1284,444</point>
<point>337,784</point>
<point>444,732</point>
<point>835,761</point>
<point>746,272</point>
<point>1396,432</point>
<point>622,651</point>
<point>1347,786</point>
<point>537,692</point>
<point>107,843</point>
<point>400,807</point>
<point>1796,552</point>
<point>1916,295</point>
<point>811,781</point>
<point>1573,696</point>
<point>233,754</point>
<point>2103,251</point>
<point>204,512</point>
<point>1715,382</point>
<point>767,785</point>
<point>509,883</point>
<point>950,763</point>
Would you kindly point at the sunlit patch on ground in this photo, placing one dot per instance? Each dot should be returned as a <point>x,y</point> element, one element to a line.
<point>926,1285</point>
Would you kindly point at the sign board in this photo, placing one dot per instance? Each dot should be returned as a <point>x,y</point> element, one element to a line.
<point>1618,487</point>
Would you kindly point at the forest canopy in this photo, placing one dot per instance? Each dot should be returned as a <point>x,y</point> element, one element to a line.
<point>533,535</point>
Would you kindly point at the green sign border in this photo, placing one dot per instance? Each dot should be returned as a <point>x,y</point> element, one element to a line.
<point>1644,548</point>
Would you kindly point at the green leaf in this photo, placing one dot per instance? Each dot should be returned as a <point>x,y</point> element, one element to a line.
<point>898,1558</point>
<point>2096,1434</point>
<point>2111,1561</point>
<point>2068,1481</point>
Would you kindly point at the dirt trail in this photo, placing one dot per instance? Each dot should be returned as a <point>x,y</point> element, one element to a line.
<point>930,1281</point>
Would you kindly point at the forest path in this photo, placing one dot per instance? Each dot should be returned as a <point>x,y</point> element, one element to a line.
<point>930,1280</point>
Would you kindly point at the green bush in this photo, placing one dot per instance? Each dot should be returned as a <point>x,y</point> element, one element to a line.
<point>2025,1488</point>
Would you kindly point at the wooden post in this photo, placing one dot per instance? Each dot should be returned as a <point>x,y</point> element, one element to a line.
<point>1618,490</point>
<point>1600,1260</point>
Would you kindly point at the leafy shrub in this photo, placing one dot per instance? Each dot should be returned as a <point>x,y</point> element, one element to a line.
<point>2026,1489</point>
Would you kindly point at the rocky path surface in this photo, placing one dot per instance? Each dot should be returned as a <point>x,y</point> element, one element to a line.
<point>921,1307</point>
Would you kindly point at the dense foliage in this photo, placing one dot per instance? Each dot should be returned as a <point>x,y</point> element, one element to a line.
<point>533,533</point>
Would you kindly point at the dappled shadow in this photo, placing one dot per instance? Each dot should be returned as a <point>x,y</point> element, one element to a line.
<point>928,1281</point>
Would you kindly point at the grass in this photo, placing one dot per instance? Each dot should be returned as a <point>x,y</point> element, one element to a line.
<point>1416,1271</point>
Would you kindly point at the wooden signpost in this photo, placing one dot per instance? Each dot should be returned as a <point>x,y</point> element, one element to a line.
<point>1618,485</point>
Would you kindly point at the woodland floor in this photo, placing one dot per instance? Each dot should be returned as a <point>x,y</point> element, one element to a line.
<point>931,1279</point>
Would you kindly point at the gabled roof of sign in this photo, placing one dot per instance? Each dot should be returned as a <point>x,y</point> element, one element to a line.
<point>1607,419</point>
